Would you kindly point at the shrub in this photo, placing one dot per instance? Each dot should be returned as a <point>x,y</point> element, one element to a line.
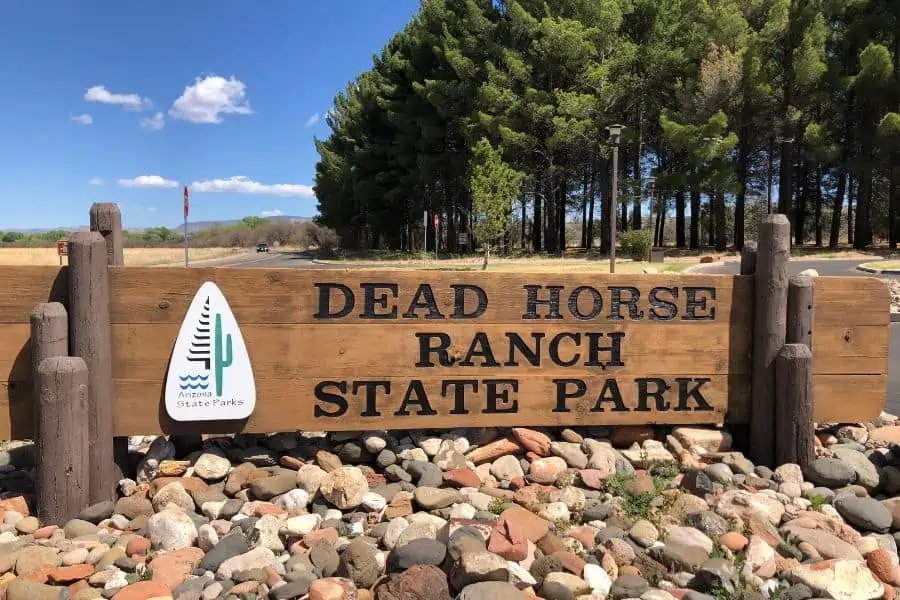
<point>637,244</point>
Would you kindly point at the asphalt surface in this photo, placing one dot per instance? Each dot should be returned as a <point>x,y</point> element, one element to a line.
<point>267,260</point>
<point>840,268</point>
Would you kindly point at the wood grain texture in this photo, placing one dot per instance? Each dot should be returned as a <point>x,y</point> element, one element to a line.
<point>769,326</point>
<point>291,350</point>
<point>62,457</point>
<point>89,336</point>
<point>794,424</point>
<point>800,313</point>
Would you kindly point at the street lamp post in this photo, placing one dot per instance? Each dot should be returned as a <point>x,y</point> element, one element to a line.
<point>615,132</point>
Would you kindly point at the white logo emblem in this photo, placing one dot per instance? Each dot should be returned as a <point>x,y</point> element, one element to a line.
<point>210,377</point>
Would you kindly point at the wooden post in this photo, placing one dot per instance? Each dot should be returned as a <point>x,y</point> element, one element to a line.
<point>769,328</point>
<point>748,259</point>
<point>49,334</point>
<point>89,332</point>
<point>800,319</point>
<point>62,470</point>
<point>793,397</point>
<point>106,218</point>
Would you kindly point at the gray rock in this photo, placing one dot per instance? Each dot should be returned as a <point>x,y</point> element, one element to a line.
<point>715,574</point>
<point>78,527</point>
<point>425,474</point>
<point>491,590</point>
<point>431,498</point>
<point>698,483</point>
<point>709,523</point>
<point>830,472</point>
<point>866,473</point>
<point>396,473</point>
<point>22,589</point>
<point>563,586</point>
<point>720,473</point>
<point>465,539</point>
<point>679,556</point>
<point>419,552</point>
<point>256,455</point>
<point>323,556</point>
<point>97,512</point>
<point>229,546</point>
<point>798,591</point>
<point>291,590</point>
<point>865,513</point>
<point>629,586</point>
<point>610,532</point>
<point>268,488</point>
<point>359,563</point>
<point>571,453</point>
<point>825,493</point>
<point>474,567</point>
<point>385,459</point>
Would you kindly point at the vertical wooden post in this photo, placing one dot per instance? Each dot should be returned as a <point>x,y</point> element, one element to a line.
<point>793,397</point>
<point>769,328</point>
<point>106,218</point>
<point>49,334</point>
<point>89,334</point>
<point>800,318</point>
<point>748,259</point>
<point>62,444</point>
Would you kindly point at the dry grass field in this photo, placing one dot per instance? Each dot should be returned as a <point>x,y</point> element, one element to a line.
<point>522,265</point>
<point>135,257</point>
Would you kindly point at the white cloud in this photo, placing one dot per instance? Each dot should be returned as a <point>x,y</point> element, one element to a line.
<point>99,93</point>
<point>151,209</point>
<point>210,98</point>
<point>96,181</point>
<point>154,123</point>
<point>271,213</point>
<point>148,181</point>
<point>83,119</point>
<point>312,120</point>
<point>244,185</point>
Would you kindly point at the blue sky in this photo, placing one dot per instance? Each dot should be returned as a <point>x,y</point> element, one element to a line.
<point>112,101</point>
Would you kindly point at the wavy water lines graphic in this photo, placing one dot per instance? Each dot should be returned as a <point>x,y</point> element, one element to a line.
<point>193,382</point>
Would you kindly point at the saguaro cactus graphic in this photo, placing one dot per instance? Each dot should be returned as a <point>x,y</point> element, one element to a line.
<point>220,362</point>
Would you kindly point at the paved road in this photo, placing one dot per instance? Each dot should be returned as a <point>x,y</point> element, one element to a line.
<point>270,260</point>
<point>842,268</point>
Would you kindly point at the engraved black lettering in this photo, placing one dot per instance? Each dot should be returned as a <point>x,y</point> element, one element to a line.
<point>610,393</point>
<point>415,395</point>
<point>338,400</point>
<point>459,393</point>
<point>324,311</point>
<point>371,301</point>
<point>552,302</point>
<point>658,394</point>
<point>616,301</point>
<point>695,302</point>
<point>459,301</point>
<point>661,309</point>
<point>481,347</point>
<point>614,349</point>
<point>563,394</point>
<point>371,395</point>
<point>426,348</point>
<point>554,349</point>
<point>517,343</point>
<point>424,298</point>
<point>498,400</point>
<point>596,303</point>
<point>685,393</point>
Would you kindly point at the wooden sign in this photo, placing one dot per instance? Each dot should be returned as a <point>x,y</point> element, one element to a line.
<point>355,350</point>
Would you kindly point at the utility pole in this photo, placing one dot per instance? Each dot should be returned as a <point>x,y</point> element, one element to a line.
<point>186,209</point>
<point>615,133</point>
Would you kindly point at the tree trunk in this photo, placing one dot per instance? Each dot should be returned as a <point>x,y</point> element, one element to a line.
<point>606,207</point>
<point>710,213</point>
<point>743,154</point>
<point>863,235</point>
<point>893,208</point>
<point>679,218</point>
<point>523,241</point>
<point>721,230</point>
<point>818,213</point>
<point>487,256</point>
<point>584,207</point>
<point>590,223</point>
<point>770,160</point>
<point>801,204</point>
<point>853,191</point>
<point>836,208</point>
<point>695,216</point>
<point>636,212</point>
<point>537,226</point>
<point>561,212</point>
<point>662,225</point>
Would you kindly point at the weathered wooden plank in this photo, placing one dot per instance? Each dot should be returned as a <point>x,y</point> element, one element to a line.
<point>258,296</point>
<point>22,288</point>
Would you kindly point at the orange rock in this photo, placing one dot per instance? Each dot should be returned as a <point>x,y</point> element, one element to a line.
<point>532,525</point>
<point>462,478</point>
<point>329,534</point>
<point>332,588</point>
<point>629,570</point>
<point>494,450</point>
<point>534,441</point>
<point>172,568</point>
<point>143,590</point>
<point>247,587</point>
<point>573,563</point>
<point>17,504</point>
<point>267,508</point>
<point>138,545</point>
<point>190,484</point>
<point>289,462</point>
<point>886,434</point>
<point>77,587</point>
<point>41,534</point>
<point>879,562</point>
<point>508,540</point>
<point>734,541</point>
<point>40,574</point>
<point>67,575</point>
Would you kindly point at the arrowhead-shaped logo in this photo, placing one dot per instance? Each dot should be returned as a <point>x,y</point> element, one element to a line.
<point>210,377</point>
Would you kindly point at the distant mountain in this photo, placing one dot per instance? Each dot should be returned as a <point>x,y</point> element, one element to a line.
<point>196,226</point>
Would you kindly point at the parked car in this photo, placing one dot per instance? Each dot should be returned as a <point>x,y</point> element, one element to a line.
<point>263,247</point>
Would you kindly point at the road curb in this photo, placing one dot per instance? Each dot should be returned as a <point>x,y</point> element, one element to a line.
<point>878,271</point>
<point>700,266</point>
